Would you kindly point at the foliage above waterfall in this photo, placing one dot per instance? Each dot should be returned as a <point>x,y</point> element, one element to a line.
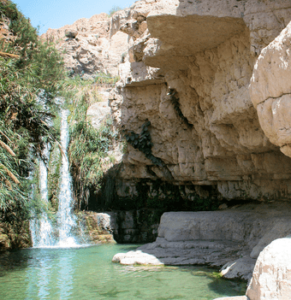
<point>28,85</point>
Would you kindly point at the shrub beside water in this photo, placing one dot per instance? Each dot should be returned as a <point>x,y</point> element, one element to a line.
<point>89,145</point>
<point>28,86</point>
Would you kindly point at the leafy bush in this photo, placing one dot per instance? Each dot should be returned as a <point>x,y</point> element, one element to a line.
<point>88,145</point>
<point>28,86</point>
<point>102,78</point>
<point>143,143</point>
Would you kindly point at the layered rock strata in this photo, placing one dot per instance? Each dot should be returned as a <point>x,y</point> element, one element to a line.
<point>231,239</point>
<point>188,74</point>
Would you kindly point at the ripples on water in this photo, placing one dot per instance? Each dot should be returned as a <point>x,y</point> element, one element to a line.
<point>88,273</point>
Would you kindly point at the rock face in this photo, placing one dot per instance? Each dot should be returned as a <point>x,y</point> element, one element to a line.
<point>272,274</point>
<point>270,90</point>
<point>231,239</point>
<point>118,226</point>
<point>205,75</point>
<point>98,227</point>
<point>188,74</point>
<point>92,45</point>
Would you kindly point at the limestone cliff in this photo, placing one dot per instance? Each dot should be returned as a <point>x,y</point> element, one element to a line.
<point>203,97</point>
<point>92,45</point>
<point>188,74</point>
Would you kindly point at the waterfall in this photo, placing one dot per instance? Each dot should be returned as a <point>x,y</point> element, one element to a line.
<point>41,230</point>
<point>66,220</point>
<point>44,235</point>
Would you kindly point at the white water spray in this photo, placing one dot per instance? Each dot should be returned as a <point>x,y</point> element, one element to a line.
<point>66,220</point>
<point>41,230</point>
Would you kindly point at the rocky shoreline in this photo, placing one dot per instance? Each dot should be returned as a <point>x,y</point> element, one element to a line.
<point>235,239</point>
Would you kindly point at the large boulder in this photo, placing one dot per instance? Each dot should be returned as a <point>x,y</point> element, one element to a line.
<point>136,258</point>
<point>272,274</point>
<point>71,33</point>
<point>270,90</point>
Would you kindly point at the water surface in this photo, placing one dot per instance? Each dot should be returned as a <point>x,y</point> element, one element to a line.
<point>88,273</point>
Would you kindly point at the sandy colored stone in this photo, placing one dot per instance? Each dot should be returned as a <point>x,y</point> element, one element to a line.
<point>206,51</point>
<point>94,45</point>
<point>136,258</point>
<point>272,274</point>
<point>97,113</point>
<point>273,64</point>
<point>231,239</point>
<point>270,90</point>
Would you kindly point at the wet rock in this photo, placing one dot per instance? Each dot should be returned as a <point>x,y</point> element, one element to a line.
<point>136,257</point>
<point>96,226</point>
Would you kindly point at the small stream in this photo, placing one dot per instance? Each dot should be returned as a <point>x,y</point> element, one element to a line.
<point>88,273</point>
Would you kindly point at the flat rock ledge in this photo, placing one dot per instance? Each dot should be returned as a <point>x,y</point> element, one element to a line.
<point>136,258</point>
<point>230,239</point>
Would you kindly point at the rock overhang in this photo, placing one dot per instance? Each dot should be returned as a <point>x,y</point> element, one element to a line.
<point>178,38</point>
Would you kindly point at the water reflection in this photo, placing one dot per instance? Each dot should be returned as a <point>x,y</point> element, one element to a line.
<point>66,272</point>
<point>43,279</point>
<point>87,273</point>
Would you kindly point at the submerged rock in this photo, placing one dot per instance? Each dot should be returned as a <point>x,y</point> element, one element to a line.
<point>136,258</point>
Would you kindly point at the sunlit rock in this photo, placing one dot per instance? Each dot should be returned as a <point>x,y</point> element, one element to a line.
<point>272,274</point>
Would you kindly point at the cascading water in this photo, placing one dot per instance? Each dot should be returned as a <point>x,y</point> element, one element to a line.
<point>66,220</point>
<point>42,232</point>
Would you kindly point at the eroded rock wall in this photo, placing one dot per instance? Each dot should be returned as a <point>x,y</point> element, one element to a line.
<point>188,74</point>
<point>93,45</point>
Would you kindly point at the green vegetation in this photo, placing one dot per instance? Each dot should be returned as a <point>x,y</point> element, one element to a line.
<point>89,146</point>
<point>28,85</point>
<point>176,104</point>
<point>113,10</point>
<point>143,143</point>
<point>54,176</point>
<point>102,78</point>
